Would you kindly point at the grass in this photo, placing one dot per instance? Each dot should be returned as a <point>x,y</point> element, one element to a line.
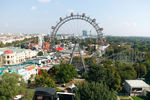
<point>139,98</point>
<point>75,81</point>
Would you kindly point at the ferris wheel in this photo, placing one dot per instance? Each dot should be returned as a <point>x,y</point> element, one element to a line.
<point>78,26</point>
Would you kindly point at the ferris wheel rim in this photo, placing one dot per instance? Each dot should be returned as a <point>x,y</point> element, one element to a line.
<point>77,17</point>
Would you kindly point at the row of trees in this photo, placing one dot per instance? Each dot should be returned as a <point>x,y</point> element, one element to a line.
<point>18,43</point>
<point>138,43</point>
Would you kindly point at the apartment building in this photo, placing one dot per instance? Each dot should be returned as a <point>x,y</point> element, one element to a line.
<point>11,56</point>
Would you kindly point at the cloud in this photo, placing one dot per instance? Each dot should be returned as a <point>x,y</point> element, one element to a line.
<point>44,1</point>
<point>33,8</point>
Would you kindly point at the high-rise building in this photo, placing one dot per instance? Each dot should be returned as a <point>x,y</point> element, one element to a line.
<point>84,33</point>
<point>40,41</point>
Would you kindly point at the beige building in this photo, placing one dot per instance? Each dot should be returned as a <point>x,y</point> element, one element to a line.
<point>11,56</point>
<point>136,87</point>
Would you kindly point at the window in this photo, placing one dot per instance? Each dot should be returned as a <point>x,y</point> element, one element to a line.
<point>136,89</point>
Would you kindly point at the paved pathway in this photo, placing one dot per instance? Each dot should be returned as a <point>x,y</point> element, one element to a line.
<point>124,98</point>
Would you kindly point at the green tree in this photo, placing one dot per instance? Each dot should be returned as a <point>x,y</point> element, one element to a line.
<point>64,72</point>
<point>108,75</point>
<point>147,64</point>
<point>140,69</point>
<point>147,55</point>
<point>22,45</point>
<point>113,79</point>
<point>94,91</point>
<point>107,63</point>
<point>29,94</point>
<point>125,71</point>
<point>96,73</point>
<point>90,60</point>
<point>110,51</point>
<point>11,85</point>
<point>147,77</point>
<point>31,80</point>
<point>2,45</point>
<point>44,80</point>
<point>40,53</point>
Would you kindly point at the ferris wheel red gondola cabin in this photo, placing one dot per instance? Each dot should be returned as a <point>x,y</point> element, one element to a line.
<point>101,29</point>
<point>94,20</point>
<point>71,14</point>
<point>83,15</point>
<point>60,19</point>
<point>53,27</point>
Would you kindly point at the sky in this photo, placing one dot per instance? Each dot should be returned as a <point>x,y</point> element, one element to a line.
<point>117,17</point>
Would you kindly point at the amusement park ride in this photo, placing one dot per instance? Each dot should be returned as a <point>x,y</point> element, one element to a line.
<point>99,35</point>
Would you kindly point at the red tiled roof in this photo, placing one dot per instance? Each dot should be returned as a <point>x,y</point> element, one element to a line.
<point>30,68</point>
<point>8,52</point>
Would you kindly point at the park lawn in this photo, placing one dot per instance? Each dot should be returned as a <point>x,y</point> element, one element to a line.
<point>139,98</point>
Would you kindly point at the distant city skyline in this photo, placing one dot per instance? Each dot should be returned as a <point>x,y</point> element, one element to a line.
<point>117,17</point>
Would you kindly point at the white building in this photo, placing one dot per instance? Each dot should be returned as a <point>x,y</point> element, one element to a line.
<point>11,56</point>
<point>40,61</point>
<point>136,87</point>
<point>25,70</point>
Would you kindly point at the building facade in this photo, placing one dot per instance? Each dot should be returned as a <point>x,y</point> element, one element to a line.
<point>25,70</point>
<point>136,87</point>
<point>12,56</point>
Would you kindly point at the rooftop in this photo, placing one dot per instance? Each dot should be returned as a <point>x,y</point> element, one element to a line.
<point>15,49</point>
<point>8,52</point>
<point>19,66</point>
<point>49,91</point>
<point>137,83</point>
